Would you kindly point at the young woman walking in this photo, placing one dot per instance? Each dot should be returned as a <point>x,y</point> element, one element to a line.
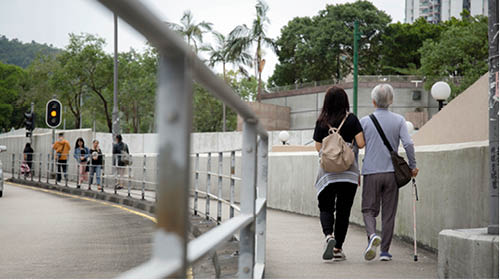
<point>336,190</point>
<point>96,163</point>
<point>81,155</point>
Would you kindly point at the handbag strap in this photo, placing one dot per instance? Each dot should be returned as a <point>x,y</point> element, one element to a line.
<point>381,132</point>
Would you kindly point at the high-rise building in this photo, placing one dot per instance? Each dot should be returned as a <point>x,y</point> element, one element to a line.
<point>435,11</point>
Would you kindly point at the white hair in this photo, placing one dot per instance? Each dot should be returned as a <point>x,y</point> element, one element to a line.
<point>383,95</point>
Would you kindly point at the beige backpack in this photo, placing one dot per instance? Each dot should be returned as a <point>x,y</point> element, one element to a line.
<point>336,155</point>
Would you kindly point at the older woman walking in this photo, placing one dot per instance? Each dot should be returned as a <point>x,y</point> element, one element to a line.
<point>336,190</point>
<point>379,182</point>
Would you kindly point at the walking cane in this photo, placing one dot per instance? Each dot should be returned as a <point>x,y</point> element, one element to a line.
<point>415,199</point>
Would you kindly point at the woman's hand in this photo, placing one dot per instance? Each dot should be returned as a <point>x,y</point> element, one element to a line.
<point>414,172</point>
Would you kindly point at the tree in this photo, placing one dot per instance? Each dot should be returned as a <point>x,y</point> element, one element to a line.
<point>23,54</point>
<point>190,30</point>
<point>320,48</point>
<point>243,38</point>
<point>224,53</point>
<point>12,84</point>
<point>460,52</point>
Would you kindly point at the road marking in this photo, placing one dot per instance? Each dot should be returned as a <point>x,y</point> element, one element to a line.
<point>153,219</point>
<point>189,273</point>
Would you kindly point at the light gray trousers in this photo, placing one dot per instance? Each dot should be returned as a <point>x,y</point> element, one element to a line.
<point>379,190</point>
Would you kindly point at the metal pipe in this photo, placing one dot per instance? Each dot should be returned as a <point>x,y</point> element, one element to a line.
<point>115,126</point>
<point>159,35</point>
<point>207,199</point>
<point>355,72</point>
<point>219,192</point>
<point>20,162</point>
<point>247,200</point>
<point>129,177</point>
<point>260,227</point>
<point>196,182</point>
<point>40,168</point>
<point>13,165</point>
<point>143,178</point>
<point>48,168</point>
<point>231,183</point>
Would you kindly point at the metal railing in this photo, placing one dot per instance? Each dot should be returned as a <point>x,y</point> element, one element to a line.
<point>178,66</point>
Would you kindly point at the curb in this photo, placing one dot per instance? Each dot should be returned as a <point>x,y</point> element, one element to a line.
<point>110,197</point>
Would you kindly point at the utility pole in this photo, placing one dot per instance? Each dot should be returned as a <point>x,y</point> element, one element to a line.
<point>355,62</point>
<point>116,121</point>
<point>81,110</point>
<point>493,113</point>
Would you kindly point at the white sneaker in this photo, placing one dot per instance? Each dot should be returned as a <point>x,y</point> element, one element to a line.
<point>338,255</point>
<point>328,250</point>
<point>371,250</point>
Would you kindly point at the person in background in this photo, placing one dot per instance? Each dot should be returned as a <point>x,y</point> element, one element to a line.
<point>380,189</point>
<point>119,147</point>
<point>28,156</point>
<point>336,190</point>
<point>96,163</point>
<point>81,154</point>
<point>62,149</point>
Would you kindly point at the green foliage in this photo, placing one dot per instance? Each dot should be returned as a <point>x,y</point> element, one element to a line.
<point>191,30</point>
<point>12,84</point>
<point>320,48</point>
<point>22,54</point>
<point>461,51</point>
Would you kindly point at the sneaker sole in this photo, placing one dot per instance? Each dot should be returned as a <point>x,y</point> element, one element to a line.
<point>328,253</point>
<point>385,259</point>
<point>371,251</point>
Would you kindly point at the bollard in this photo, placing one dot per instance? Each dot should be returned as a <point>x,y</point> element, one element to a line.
<point>207,200</point>
<point>129,180</point>
<point>231,184</point>
<point>13,165</point>
<point>196,182</point>
<point>143,178</point>
<point>219,193</point>
<point>48,167</point>
<point>40,168</point>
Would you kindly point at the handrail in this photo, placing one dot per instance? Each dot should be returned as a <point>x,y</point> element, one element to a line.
<point>161,37</point>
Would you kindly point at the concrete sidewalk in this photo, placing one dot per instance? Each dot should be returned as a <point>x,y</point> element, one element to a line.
<point>295,244</point>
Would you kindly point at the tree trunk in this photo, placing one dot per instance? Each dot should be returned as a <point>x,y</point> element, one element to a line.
<point>224,104</point>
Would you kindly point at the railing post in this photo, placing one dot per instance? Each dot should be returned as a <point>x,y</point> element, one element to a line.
<point>103,173</point>
<point>20,162</point>
<point>90,179</point>
<point>219,191</point>
<point>231,183</point>
<point>48,168</point>
<point>207,199</point>
<point>40,168</point>
<point>260,227</point>
<point>13,165</point>
<point>77,175</point>
<point>33,165</point>
<point>174,120</point>
<point>129,180</point>
<point>247,199</point>
<point>65,174</point>
<point>115,163</point>
<point>143,177</point>
<point>196,182</point>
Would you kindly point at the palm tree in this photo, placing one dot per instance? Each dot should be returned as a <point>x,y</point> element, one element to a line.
<point>244,38</point>
<point>190,30</point>
<point>225,53</point>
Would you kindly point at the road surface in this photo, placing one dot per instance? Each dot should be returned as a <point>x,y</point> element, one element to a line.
<point>46,235</point>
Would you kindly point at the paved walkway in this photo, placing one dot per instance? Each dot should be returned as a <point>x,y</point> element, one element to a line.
<point>295,243</point>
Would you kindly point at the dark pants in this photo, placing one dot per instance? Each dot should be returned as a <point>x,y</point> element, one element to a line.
<point>380,189</point>
<point>338,198</point>
<point>62,164</point>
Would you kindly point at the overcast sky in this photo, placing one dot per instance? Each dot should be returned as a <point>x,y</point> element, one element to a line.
<point>50,21</point>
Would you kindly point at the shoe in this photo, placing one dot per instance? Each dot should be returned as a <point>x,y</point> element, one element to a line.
<point>328,250</point>
<point>119,187</point>
<point>77,186</point>
<point>385,256</point>
<point>99,188</point>
<point>338,255</point>
<point>371,250</point>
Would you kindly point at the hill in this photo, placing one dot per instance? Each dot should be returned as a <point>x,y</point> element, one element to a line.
<point>22,54</point>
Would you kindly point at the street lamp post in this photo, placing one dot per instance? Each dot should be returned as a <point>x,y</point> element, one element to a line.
<point>440,91</point>
<point>115,126</point>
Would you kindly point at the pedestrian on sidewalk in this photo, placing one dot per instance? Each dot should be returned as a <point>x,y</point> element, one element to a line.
<point>96,163</point>
<point>379,182</point>
<point>120,153</point>
<point>81,154</point>
<point>336,190</point>
<point>62,148</point>
<point>28,156</point>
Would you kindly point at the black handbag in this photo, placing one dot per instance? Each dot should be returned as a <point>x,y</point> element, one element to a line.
<point>402,171</point>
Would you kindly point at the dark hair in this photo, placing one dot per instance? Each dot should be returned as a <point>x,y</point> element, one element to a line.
<point>77,140</point>
<point>61,134</point>
<point>119,137</point>
<point>28,145</point>
<point>335,106</point>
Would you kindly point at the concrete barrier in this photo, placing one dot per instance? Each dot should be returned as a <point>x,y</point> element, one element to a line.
<point>452,184</point>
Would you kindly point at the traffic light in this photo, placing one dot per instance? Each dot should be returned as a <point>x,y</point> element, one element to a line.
<point>29,123</point>
<point>53,115</point>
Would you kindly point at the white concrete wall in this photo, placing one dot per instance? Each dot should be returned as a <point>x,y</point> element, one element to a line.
<point>453,189</point>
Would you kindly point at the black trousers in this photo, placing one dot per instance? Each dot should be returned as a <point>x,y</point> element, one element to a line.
<point>61,164</point>
<point>335,202</point>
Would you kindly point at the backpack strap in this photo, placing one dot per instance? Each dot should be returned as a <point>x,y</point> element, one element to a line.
<point>381,132</point>
<point>340,126</point>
